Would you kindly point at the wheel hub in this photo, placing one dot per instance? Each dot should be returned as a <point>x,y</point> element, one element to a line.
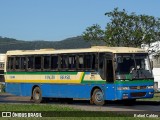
<point>37,96</point>
<point>99,97</point>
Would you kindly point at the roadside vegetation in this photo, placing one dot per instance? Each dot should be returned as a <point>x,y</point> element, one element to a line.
<point>125,29</point>
<point>2,88</point>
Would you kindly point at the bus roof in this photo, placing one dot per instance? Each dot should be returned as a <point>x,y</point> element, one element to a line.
<point>92,49</point>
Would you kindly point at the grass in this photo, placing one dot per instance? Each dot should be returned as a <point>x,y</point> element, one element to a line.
<point>60,108</point>
<point>34,107</point>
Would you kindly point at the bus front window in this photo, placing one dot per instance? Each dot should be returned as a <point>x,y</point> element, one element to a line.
<point>135,65</point>
<point>125,64</point>
<point>142,62</point>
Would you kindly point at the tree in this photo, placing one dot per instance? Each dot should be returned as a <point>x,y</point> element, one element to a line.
<point>125,29</point>
<point>94,34</point>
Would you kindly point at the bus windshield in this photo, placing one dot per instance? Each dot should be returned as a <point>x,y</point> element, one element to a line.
<point>137,65</point>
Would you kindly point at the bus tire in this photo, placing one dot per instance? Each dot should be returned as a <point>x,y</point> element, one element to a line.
<point>97,97</point>
<point>37,95</point>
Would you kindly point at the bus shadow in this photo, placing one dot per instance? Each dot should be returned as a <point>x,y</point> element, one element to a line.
<point>9,98</point>
<point>147,102</point>
<point>112,105</point>
<point>107,103</point>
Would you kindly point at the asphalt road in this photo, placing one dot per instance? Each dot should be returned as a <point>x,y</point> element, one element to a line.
<point>84,104</point>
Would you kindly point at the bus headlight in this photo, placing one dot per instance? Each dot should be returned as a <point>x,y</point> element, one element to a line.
<point>123,88</point>
<point>150,87</point>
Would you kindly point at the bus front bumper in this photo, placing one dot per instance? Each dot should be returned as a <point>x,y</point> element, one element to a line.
<point>135,94</point>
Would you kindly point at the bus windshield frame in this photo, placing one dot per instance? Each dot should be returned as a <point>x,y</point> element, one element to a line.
<point>133,65</point>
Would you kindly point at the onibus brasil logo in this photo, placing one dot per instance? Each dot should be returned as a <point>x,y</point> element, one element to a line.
<point>21,114</point>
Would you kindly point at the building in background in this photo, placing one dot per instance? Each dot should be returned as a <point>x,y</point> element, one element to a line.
<point>2,60</point>
<point>154,53</point>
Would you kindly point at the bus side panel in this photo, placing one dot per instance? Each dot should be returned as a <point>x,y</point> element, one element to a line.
<point>51,90</point>
<point>66,91</point>
<point>19,89</point>
<point>110,92</point>
<point>13,88</point>
<point>26,89</point>
<point>82,91</point>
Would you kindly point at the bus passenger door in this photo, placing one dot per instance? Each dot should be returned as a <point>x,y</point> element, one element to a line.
<point>109,71</point>
<point>109,75</point>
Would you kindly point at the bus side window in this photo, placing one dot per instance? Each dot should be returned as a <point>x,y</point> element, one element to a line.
<point>87,61</point>
<point>54,62</point>
<point>23,63</point>
<point>72,62</point>
<point>17,63</point>
<point>81,61</point>
<point>10,63</point>
<point>38,62</point>
<point>46,62</point>
<point>64,61</point>
<point>30,62</point>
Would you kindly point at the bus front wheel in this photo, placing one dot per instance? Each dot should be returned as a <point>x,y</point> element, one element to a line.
<point>37,95</point>
<point>97,97</point>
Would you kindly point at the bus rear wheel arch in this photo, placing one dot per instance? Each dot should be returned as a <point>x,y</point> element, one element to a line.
<point>97,97</point>
<point>37,95</point>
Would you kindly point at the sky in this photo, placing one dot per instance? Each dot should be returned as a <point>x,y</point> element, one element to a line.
<point>54,20</point>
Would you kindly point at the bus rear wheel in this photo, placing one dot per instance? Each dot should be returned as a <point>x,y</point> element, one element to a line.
<point>37,95</point>
<point>97,97</point>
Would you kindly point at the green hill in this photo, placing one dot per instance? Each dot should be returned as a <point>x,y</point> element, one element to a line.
<point>69,43</point>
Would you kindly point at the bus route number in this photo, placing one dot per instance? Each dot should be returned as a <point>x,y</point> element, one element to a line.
<point>62,77</point>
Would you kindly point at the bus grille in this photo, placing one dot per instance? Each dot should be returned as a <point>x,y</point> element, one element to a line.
<point>137,87</point>
<point>138,94</point>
